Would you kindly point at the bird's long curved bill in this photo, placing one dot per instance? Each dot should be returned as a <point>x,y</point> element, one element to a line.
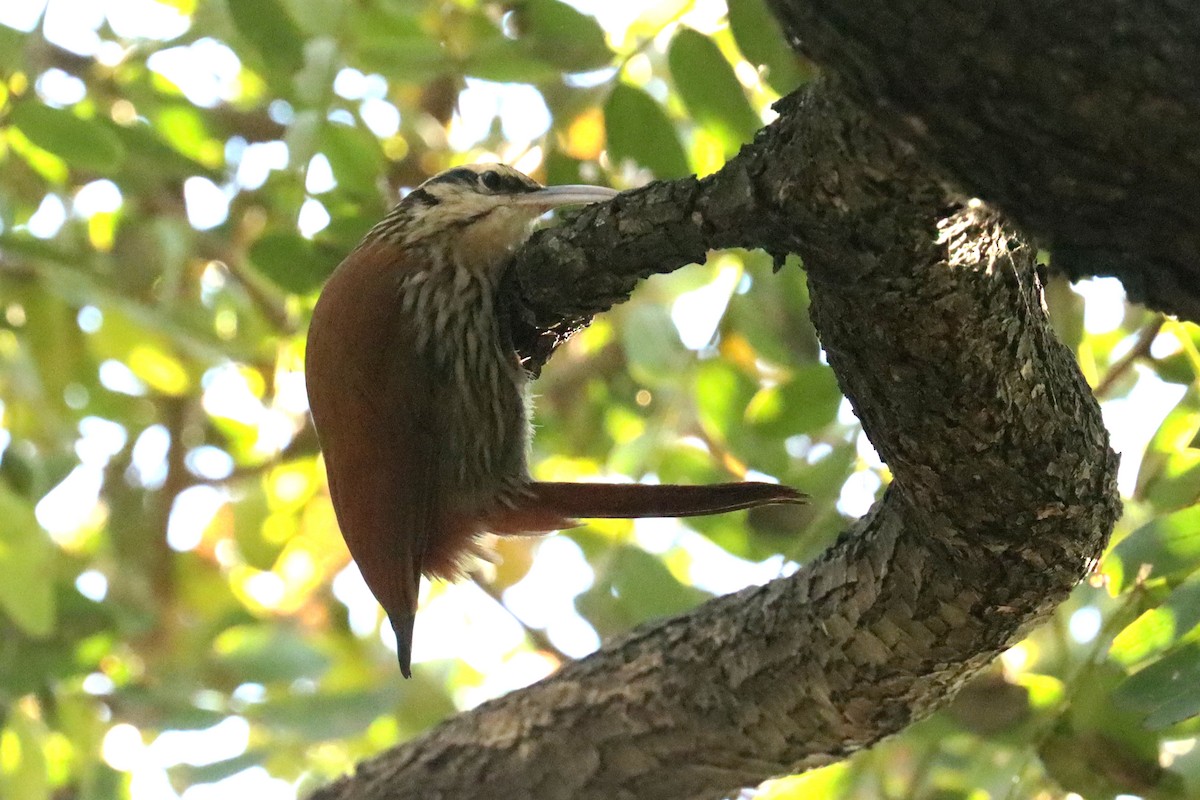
<point>569,195</point>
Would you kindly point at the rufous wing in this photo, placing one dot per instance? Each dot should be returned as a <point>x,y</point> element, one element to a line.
<point>374,417</point>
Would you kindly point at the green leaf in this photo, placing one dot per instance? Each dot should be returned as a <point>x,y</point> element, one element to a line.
<point>29,247</point>
<point>683,462</point>
<point>24,773</point>
<point>395,42</point>
<point>170,704</point>
<point>160,158</point>
<point>1167,691</point>
<point>250,515</point>
<point>292,262</point>
<point>26,564</point>
<point>303,136</point>
<point>638,129</point>
<point>773,315</point>
<point>1159,628</point>
<point>824,478</point>
<point>186,130</point>
<point>1169,475</point>
<point>805,404</point>
<point>758,36</point>
<point>11,49</point>
<point>319,16</point>
<point>633,587</point>
<point>266,653</point>
<point>560,35</point>
<point>269,29</point>
<point>561,168</point>
<point>1066,312</point>
<point>355,156</point>
<point>318,717</point>
<point>710,90</point>
<point>652,345</point>
<point>321,61</point>
<point>722,394</point>
<point>1099,747</point>
<point>349,224</point>
<point>218,770</point>
<point>1096,765</point>
<point>84,143</point>
<point>1178,368</point>
<point>55,342</point>
<point>734,534</point>
<point>1169,546</point>
<point>505,61</point>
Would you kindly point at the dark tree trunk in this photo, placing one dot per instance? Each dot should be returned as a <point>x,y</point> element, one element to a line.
<point>1003,493</point>
<point>1079,120</point>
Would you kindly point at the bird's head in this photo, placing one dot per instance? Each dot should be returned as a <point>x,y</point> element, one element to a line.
<point>481,212</point>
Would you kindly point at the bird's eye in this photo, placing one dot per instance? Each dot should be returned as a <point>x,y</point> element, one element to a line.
<point>491,181</point>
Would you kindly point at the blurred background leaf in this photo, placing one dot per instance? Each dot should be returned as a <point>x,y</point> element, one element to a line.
<point>638,129</point>
<point>177,608</point>
<point>709,89</point>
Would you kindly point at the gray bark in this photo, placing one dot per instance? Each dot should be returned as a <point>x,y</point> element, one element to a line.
<point>1080,121</point>
<point>1003,493</point>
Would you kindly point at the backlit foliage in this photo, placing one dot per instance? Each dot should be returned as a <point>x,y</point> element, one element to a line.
<point>178,178</point>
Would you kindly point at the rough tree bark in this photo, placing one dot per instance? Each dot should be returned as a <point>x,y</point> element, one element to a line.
<point>1003,492</point>
<point>1079,120</point>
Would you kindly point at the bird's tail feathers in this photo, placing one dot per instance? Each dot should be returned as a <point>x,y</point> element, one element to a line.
<point>402,625</point>
<point>551,506</point>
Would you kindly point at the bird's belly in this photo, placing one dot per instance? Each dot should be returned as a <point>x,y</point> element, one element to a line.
<point>485,421</point>
<point>481,397</point>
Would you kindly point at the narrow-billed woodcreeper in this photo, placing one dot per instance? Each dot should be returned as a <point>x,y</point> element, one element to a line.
<point>420,404</point>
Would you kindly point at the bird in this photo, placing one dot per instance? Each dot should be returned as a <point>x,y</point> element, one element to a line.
<point>421,407</point>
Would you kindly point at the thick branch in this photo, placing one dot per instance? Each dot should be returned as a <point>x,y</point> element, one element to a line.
<point>1081,121</point>
<point>1004,489</point>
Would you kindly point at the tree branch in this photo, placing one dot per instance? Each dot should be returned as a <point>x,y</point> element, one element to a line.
<point>1081,121</point>
<point>1004,491</point>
